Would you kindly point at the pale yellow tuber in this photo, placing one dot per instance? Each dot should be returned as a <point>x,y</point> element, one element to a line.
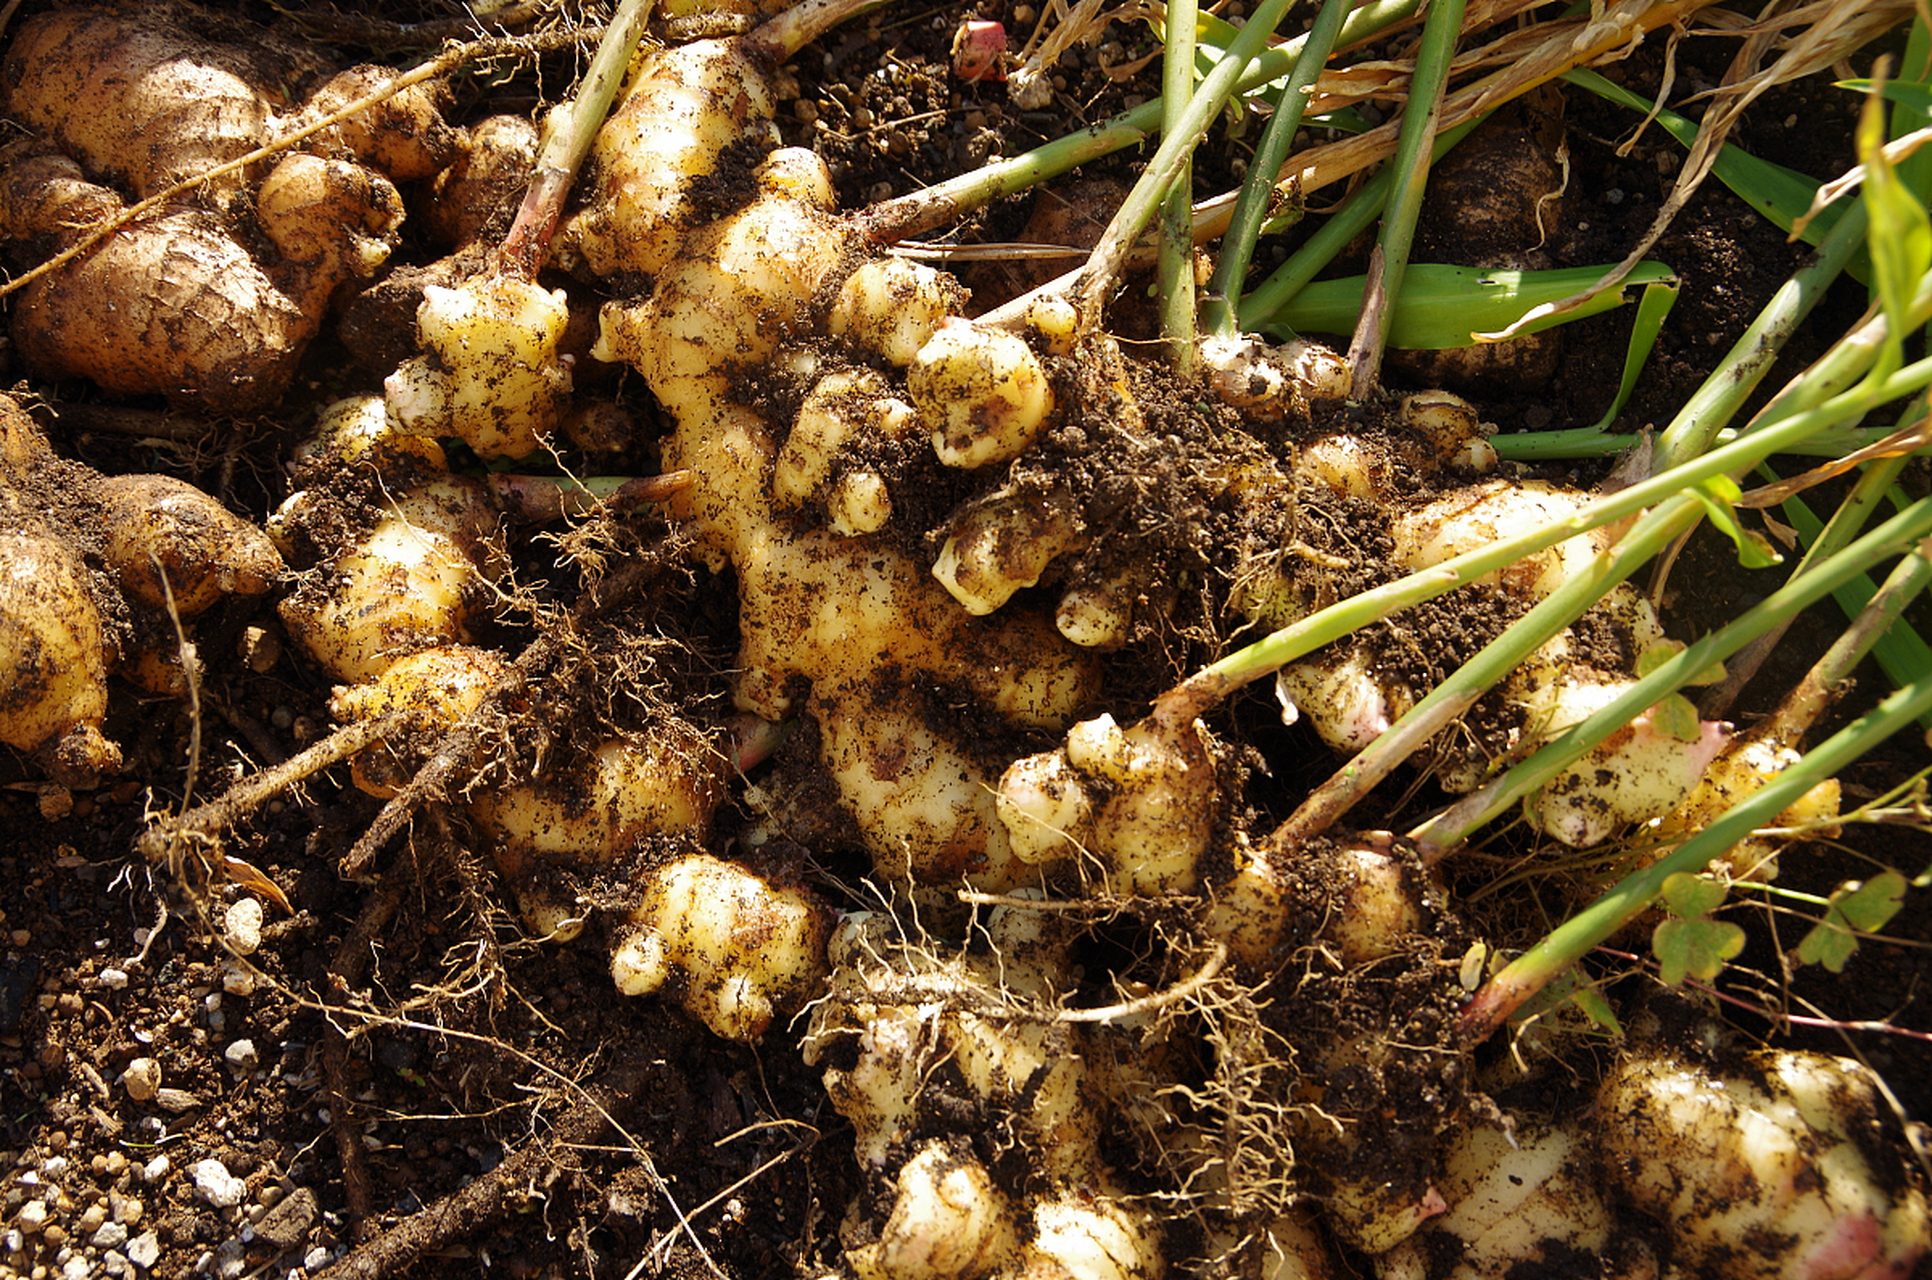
<point>211,299</point>
<point>493,374</point>
<point>416,580</point>
<point>735,947</point>
<point>1781,1150</point>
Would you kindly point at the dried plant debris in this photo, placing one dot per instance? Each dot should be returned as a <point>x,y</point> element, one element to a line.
<point>774,844</point>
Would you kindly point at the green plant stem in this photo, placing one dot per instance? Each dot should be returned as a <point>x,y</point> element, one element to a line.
<point>1710,408</point>
<point>1460,691</point>
<point>1844,525</point>
<point>922,211</point>
<point>1569,942</point>
<point>1807,700</point>
<point>1175,268</point>
<point>1257,191</point>
<point>1212,683</point>
<point>1442,834</point>
<point>1342,226</point>
<point>1390,258</point>
<point>1096,280</point>
<point>1588,442</point>
<point>567,141</point>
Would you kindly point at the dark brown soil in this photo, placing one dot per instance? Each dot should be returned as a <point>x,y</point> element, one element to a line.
<point>397,1045</point>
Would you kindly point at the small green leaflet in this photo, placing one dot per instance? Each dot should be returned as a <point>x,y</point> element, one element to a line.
<point>1675,717</point>
<point>1855,908</point>
<point>1690,943</point>
<point>1686,894</point>
<point>1717,494</point>
<point>1664,650</point>
<point>1694,948</point>
<point>1900,240</point>
<point>1916,95</point>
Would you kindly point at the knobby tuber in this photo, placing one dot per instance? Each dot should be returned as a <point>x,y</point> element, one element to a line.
<point>95,574</point>
<point>940,532</point>
<point>183,302</point>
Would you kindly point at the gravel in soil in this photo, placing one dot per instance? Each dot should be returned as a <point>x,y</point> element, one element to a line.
<point>188,1086</point>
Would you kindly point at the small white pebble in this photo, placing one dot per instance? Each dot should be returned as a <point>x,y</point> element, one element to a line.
<point>32,1216</point>
<point>76,1268</point>
<point>316,1259</point>
<point>242,927</point>
<point>142,1079</point>
<point>113,979</point>
<point>109,1235</point>
<point>237,979</point>
<point>53,1166</point>
<point>153,1171</point>
<point>216,1185</point>
<point>144,1250</point>
<point>241,1055</point>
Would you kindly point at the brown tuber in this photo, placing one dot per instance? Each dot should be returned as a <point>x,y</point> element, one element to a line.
<point>211,299</point>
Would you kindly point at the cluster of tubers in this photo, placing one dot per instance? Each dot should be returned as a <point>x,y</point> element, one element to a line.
<point>102,575</point>
<point>937,541</point>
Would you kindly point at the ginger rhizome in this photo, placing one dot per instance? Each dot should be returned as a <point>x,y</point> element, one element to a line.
<point>211,298</point>
<point>1162,1032</point>
<point>96,572</point>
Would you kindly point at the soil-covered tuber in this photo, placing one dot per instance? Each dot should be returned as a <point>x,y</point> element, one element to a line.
<point>98,572</point>
<point>212,298</point>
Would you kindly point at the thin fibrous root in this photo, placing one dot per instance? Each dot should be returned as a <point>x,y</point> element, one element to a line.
<point>164,841</point>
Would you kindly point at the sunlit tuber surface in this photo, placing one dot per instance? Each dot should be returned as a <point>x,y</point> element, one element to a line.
<point>98,572</point>
<point>954,562</point>
<point>184,304</point>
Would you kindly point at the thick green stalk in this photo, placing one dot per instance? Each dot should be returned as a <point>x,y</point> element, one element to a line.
<point>1442,834</point>
<point>1342,226</point>
<point>1588,442</point>
<point>1257,191</point>
<point>1751,356</point>
<point>1390,259</point>
<point>1096,281</point>
<point>1176,262</point>
<point>922,211</point>
<point>1469,682</point>
<point>1212,683</point>
<point>1843,527</point>
<point>1569,942</point>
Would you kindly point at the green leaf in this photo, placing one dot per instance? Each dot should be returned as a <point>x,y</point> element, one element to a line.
<point>1900,240</point>
<point>1829,943</point>
<point>1664,650</point>
<point>1717,494</point>
<point>1686,894</point>
<point>1868,907</point>
<point>1916,95</point>
<point>1855,908</point>
<point>1657,655</point>
<point>1571,989</point>
<point>1695,948</point>
<point>1675,717</point>
<point>1442,306</point>
<point>1653,308</point>
<point>1597,1009</point>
